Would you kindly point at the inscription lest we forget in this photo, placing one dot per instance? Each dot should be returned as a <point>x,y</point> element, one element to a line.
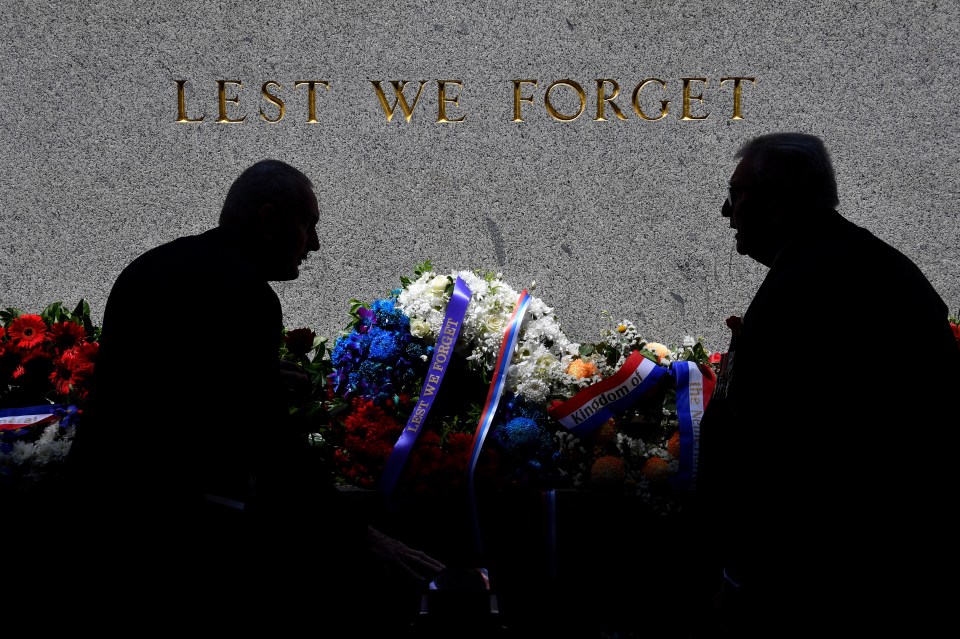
<point>694,95</point>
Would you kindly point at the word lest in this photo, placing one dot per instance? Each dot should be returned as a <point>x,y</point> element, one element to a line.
<point>693,91</point>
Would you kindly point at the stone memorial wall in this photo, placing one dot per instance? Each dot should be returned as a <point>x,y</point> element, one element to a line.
<point>585,148</point>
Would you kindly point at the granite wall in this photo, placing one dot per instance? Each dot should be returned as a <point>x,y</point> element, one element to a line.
<point>506,161</point>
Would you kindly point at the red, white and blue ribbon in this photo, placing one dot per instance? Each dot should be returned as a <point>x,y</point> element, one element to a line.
<point>694,384</point>
<point>14,419</point>
<point>590,409</point>
<point>442,352</point>
<point>510,337</point>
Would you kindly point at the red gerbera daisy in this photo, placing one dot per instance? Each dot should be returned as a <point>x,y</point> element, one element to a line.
<point>62,376</point>
<point>28,331</point>
<point>67,334</point>
<point>83,357</point>
<point>74,368</point>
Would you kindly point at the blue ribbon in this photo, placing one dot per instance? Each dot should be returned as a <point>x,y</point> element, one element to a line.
<point>449,331</point>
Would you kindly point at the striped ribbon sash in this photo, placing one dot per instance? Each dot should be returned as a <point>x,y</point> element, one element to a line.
<point>13,419</point>
<point>694,384</point>
<point>589,409</point>
<point>510,337</point>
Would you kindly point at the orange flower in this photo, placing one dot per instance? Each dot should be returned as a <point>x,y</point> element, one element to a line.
<point>659,349</point>
<point>581,368</point>
<point>673,446</point>
<point>608,471</point>
<point>656,470</point>
<point>28,331</point>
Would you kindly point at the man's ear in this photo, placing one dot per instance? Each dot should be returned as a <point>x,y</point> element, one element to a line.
<point>264,219</point>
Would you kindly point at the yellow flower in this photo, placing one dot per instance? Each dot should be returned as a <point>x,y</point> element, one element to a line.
<point>622,328</point>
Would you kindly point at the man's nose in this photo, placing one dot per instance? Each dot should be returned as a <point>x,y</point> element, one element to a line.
<point>726,209</point>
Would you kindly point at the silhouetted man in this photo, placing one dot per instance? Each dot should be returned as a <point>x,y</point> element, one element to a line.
<point>823,449</point>
<point>194,491</point>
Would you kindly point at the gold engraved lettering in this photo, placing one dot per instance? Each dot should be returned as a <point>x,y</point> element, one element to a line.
<point>517,98</point>
<point>443,99</point>
<point>273,99</point>
<point>556,115</point>
<point>312,97</point>
<point>664,104</point>
<point>182,105</point>
<point>603,98</point>
<point>687,97</point>
<point>222,94</point>
<point>388,109</point>
<point>737,89</point>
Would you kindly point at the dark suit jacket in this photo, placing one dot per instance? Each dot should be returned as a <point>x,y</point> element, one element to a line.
<point>824,459</point>
<point>186,467</point>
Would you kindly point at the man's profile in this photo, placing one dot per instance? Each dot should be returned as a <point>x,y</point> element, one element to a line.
<point>811,462</point>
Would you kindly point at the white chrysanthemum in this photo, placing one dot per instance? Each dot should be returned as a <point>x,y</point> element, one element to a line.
<point>689,341</point>
<point>49,434</point>
<point>534,390</point>
<point>22,452</point>
<point>478,286</point>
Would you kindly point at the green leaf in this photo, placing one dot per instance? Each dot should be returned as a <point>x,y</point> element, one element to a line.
<point>586,350</point>
<point>53,313</point>
<point>9,315</point>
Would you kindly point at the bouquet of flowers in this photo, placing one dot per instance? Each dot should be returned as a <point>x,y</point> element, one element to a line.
<point>382,362</point>
<point>637,450</point>
<point>380,368</point>
<point>46,363</point>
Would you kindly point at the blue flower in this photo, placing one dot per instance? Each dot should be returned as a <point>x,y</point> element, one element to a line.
<point>524,438</point>
<point>388,316</point>
<point>384,345</point>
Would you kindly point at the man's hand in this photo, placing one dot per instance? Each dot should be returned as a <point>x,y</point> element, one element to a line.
<point>415,565</point>
<point>295,381</point>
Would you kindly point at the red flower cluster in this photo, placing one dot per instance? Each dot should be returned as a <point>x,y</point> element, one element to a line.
<point>956,331</point>
<point>369,434</point>
<point>41,361</point>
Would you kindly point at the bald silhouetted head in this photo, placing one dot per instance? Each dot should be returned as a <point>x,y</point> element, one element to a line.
<point>274,206</point>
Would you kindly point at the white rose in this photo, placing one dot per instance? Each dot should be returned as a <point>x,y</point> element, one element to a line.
<point>419,328</point>
<point>494,323</point>
<point>439,284</point>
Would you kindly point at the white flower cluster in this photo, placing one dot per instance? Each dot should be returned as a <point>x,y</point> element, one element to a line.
<point>28,459</point>
<point>543,353</point>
